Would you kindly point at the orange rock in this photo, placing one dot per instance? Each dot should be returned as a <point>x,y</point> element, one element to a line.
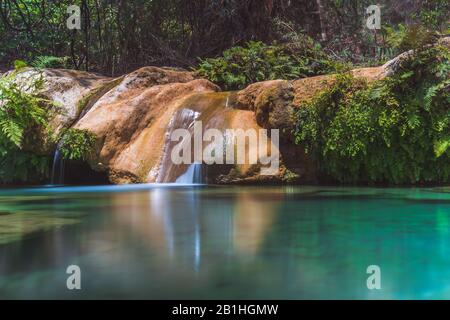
<point>130,121</point>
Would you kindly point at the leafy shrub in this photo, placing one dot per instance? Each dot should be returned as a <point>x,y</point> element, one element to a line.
<point>413,37</point>
<point>42,62</point>
<point>22,114</point>
<point>396,130</point>
<point>21,111</point>
<point>77,144</point>
<point>20,166</point>
<point>241,66</point>
<point>305,49</point>
<point>434,14</point>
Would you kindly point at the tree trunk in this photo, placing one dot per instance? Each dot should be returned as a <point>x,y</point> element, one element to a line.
<point>321,15</point>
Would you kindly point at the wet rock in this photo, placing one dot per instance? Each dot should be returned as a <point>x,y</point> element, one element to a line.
<point>130,121</point>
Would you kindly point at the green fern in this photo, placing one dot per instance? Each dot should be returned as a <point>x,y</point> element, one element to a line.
<point>12,131</point>
<point>42,62</point>
<point>256,61</point>
<point>77,144</point>
<point>21,111</point>
<point>396,130</point>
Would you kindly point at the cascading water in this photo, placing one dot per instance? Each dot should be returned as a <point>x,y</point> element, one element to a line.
<point>183,118</point>
<point>57,168</point>
<point>207,108</point>
<point>193,175</point>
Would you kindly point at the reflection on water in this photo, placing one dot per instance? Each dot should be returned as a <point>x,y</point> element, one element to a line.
<point>171,242</point>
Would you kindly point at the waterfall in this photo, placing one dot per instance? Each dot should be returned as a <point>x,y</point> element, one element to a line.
<point>57,168</point>
<point>194,174</point>
<point>183,118</point>
<point>205,107</point>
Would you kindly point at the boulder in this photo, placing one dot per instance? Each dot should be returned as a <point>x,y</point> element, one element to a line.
<point>70,92</point>
<point>271,102</point>
<point>131,120</point>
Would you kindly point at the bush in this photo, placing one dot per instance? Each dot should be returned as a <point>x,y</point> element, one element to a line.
<point>434,14</point>
<point>21,111</point>
<point>396,130</point>
<point>413,37</point>
<point>241,66</point>
<point>77,144</point>
<point>20,166</point>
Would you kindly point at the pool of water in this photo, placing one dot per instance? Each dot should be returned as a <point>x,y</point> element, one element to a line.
<point>198,242</point>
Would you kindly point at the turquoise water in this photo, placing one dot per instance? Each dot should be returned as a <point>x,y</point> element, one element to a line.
<point>197,242</point>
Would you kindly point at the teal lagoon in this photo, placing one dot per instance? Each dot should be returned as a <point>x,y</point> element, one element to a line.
<point>206,242</point>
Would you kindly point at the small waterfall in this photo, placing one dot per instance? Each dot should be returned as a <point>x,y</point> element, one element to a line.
<point>57,168</point>
<point>194,174</point>
<point>205,107</point>
<point>183,118</point>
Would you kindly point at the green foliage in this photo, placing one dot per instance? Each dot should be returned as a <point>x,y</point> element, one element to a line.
<point>21,111</point>
<point>20,166</point>
<point>77,144</point>
<point>434,14</point>
<point>396,130</point>
<point>19,64</point>
<point>413,37</point>
<point>22,114</point>
<point>241,66</point>
<point>42,62</point>
<point>116,38</point>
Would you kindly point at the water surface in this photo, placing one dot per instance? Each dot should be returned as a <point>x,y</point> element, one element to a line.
<point>198,242</point>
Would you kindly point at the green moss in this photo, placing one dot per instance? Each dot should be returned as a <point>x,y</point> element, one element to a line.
<point>19,64</point>
<point>92,96</point>
<point>396,130</point>
<point>83,102</point>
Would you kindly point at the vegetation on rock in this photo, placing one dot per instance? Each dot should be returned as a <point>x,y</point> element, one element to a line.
<point>77,144</point>
<point>21,111</point>
<point>42,62</point>
<point>396,130</point>
<point>24,113</point>
<point>241,66</point>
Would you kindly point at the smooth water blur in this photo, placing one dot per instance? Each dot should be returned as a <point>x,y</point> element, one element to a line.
<point>190,242</point>
<point>193,175</point>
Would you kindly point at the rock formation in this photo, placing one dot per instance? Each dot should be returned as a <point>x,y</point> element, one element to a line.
<point>133,116</point>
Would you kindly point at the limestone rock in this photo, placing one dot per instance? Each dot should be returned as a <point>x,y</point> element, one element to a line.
<point>70,91</point>
<point>130,121</point>
<point>272,103</point>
